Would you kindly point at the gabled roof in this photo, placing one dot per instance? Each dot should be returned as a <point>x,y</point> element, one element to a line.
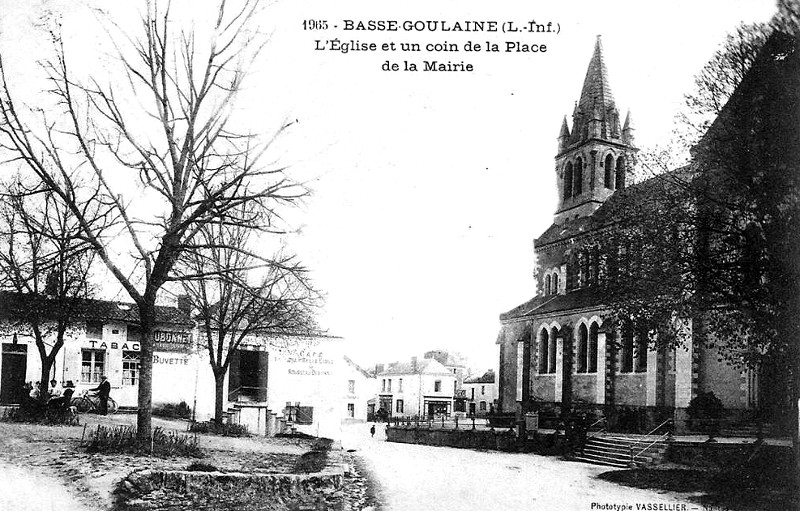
<point>357,367</point>
<point>487,377</point>
<point>424,366</point>
<point>21,305</point>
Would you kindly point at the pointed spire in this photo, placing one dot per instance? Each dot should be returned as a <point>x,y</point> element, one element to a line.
<point>595,85</point>
<point>627,129</point>
<point>628,121</point>
<point>564,133</point>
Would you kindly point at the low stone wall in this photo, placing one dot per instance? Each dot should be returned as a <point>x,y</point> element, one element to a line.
<point>155,490</point>
<point>501,440</point>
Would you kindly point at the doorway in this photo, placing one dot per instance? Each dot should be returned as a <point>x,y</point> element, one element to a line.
<point>12,378</point>
<point>248,376</point>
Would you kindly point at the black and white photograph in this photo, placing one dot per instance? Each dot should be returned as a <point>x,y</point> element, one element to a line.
<point>276,255</point>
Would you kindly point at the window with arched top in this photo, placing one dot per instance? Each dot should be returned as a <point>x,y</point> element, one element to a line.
<point>551,361</point>
<point>544,351</point>
<point>568,180</point>
<point>626,361</point>
<point>555,283</point>
<point>641,350</point>
<point>592,358</point>
<point>620,184</point>
<point>577,177</point>
<point>608,182</point>
<point>547,285</point>
<point>583,344</point>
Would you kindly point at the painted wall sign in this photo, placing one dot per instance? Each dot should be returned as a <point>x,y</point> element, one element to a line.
<point>172,341</point>
<point>102,345</point>
<point>181,361</point>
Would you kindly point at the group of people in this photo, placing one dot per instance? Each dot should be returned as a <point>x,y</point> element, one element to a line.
<point>58,396</point>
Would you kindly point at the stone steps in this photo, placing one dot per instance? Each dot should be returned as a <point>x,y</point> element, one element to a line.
<point>616,451</point>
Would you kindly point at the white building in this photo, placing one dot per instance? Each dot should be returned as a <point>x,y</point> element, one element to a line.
<point>419,388</point>
<point>481,393</point>
<point>359,387</point>
<point>273,382</point>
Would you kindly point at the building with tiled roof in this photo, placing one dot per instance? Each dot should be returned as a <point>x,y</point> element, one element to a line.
<point>420,387</point>
<point>481,393</point>
<point>558,348</point>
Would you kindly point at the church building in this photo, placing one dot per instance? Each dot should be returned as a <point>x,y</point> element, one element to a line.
<point>559,349</point>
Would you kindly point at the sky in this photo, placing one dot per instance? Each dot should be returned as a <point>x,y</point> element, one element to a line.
<point>429,187</point>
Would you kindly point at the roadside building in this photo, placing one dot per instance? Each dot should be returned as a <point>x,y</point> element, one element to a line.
<point>420,388</point>
<point>358,389</point>
<point>274,381</point>
<point>481,394</point>
<point>103,340</point>
<point>455,363</point>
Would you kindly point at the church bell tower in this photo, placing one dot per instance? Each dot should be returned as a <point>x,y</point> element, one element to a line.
<point>594,157</point>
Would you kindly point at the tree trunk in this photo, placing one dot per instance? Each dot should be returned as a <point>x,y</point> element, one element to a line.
<point>144,418</point>
<point>44,385</point>
<point>219,396</point>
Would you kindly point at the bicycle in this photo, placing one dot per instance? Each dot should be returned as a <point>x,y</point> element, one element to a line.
<point>90,403</point>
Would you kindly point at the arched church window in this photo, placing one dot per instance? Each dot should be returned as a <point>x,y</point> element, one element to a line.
<point>551,366</point>
<point>593,331</point>
<point>568,181</point>
<point>578,177</point>
<point>547,284</point>
<point>627,349</point>
<point>620,173</point>
<point>555,283</point>
<point>641,350</point>
<point>609,168</point>
<point>544,352</point>
<point>583,342</point>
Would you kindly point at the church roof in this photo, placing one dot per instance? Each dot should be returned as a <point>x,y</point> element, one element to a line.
<point>577,299</point>
<point>611,210</point>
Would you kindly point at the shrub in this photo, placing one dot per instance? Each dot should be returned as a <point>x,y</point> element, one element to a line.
<point>705,411</point>
<point>172,410</point>
<point>223,429</point>
<point>123,439</point>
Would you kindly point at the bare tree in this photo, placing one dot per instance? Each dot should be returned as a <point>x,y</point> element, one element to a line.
<point>157,141</point>
<point>44,269</point>
<point>230,307</point>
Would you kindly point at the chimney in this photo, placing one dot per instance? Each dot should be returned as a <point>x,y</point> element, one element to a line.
<point>185,304</point>
<point>414,364</point>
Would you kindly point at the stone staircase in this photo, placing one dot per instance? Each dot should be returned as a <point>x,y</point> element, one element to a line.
<point>615,451</point>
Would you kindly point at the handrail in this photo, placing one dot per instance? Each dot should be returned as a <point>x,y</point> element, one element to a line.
<point>651,444</point>
<point>658,439</point>
<point>601,430</point>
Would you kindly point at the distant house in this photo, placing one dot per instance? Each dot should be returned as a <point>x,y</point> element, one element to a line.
<point>455,363</point>
<point>418,388</point>
<point>358,388</point>
<point>481,393</point>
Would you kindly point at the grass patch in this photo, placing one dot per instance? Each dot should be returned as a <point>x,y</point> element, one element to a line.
<point>123,439</point>
<point>316,459</point>
<point>224,429</point>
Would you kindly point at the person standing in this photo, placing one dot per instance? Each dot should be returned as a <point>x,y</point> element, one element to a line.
<point>103,391</point>
<point>372,431</point>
